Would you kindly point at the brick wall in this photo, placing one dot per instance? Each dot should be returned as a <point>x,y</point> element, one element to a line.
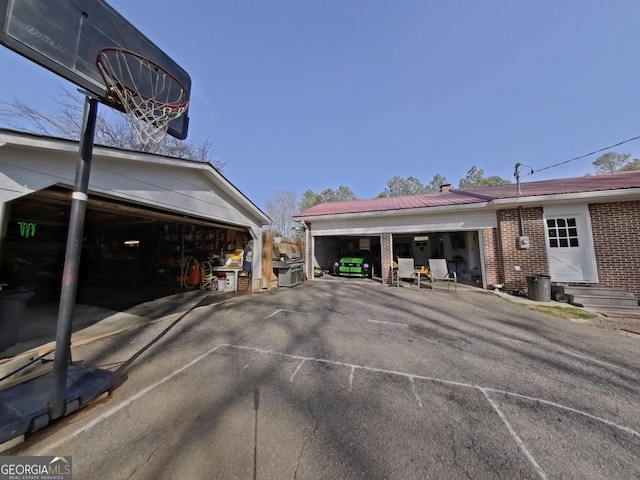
<point>509,255</point>
<point>244,284</point>
<point>616,235</point>
<point>616,239</point>
<point>492,256</point>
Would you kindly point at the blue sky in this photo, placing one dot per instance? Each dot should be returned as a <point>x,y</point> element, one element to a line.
<point>314,94</point>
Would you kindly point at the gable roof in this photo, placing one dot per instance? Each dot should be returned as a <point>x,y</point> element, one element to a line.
<point>214,195</point>
<point>469,196</point>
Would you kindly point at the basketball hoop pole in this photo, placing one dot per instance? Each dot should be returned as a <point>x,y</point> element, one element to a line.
<point>72,259</point>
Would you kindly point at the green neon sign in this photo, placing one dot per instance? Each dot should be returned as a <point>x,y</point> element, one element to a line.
<point>27,229</point>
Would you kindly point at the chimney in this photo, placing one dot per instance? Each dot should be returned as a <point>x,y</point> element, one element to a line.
<point>445,188</point>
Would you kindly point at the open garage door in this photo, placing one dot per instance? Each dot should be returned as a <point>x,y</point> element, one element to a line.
<point>125,246</point>
<point>461,249</point>
<point>328,250</point>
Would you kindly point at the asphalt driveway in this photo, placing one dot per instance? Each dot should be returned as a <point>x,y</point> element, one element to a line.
<point>351,379</point>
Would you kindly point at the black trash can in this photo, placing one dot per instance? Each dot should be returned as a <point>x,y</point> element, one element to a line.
<point>12,306</point>
<point>539,287</point>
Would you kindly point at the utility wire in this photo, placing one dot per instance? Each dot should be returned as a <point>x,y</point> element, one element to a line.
<point>581,156</point>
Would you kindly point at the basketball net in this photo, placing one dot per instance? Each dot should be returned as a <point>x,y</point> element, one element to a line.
<point>150,95</point>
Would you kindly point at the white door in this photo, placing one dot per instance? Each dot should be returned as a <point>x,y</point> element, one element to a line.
<point>569,246</point>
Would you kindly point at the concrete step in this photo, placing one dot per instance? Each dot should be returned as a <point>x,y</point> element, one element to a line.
<point>598,298</point>
<point>601,300</point>
<point>592,291</point>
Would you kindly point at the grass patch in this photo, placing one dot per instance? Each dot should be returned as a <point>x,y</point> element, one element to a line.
<point>563,312</point>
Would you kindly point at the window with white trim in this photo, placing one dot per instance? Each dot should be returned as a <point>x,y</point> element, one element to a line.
<point>562,232</point>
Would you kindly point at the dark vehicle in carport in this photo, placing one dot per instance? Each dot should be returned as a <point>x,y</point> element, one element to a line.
<point>354,264</point>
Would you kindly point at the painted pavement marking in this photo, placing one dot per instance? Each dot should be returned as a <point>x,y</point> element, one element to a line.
<point>303,359</point>
<point>353,367</point>
<point>512,340</point>
<point>125,403</point>
<point>296,370</point>
<point>411,377</point>
<point>389,323</point>
<point>285,310</point>
<point>248,364</point>
<point>413,389</point>
<point>566,351</point>
<point>518,440</point>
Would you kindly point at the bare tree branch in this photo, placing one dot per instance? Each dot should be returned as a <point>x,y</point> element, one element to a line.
<point>113,129</point>
<point>281,208</point>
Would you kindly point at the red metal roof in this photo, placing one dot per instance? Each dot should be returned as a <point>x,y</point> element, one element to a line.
<point>590,183</point>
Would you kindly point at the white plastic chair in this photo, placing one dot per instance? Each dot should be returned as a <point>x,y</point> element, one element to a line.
<point>406,269</point>
<point>439,270</point>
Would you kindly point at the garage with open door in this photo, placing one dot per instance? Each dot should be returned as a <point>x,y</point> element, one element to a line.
<point>330,249</point>
<point>145,215</point>
<point>402,229</point>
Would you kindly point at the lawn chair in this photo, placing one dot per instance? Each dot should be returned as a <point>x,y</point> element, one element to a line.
<point>406,269</point>
<point>439,270</point>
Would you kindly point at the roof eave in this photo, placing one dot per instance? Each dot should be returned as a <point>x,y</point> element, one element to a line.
<point>495,203</point>
<point>601,195</point>
<point>395,213</point>
<point>29,140</point>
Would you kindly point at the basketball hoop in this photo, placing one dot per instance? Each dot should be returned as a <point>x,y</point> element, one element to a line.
<point>150,95</point>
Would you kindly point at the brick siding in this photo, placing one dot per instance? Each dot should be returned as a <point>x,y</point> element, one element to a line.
<point>492,256</point>
<point>508,255</point>
<point>244,284</point>
<point>616,234</point>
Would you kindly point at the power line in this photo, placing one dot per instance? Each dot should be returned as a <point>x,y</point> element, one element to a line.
<point>582,156</point>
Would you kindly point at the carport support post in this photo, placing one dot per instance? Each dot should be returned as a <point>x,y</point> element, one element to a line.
<point>72,259</point>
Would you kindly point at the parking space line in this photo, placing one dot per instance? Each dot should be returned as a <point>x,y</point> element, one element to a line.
<point>285,310</point>
<point>353,367</point>
<point>303,359</point>
<point>511,340</point>
<point>560,349</point>
<point>125,403</point>
<point>389,323</point>
<point>589,358</point>
<point>296,370</point>
<point>250,362</point>
<point>519,442</point>
<point>565,408</point>
<point>413,388</point>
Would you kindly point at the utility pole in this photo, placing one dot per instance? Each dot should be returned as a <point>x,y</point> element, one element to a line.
<point>516,174</point>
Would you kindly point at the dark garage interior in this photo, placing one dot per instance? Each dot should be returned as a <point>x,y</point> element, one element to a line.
<point>125,246</point>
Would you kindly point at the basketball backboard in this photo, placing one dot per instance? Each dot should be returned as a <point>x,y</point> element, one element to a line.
<point>66,37</point>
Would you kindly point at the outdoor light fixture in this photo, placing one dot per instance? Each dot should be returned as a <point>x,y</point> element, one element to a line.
<point>132,243</point>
